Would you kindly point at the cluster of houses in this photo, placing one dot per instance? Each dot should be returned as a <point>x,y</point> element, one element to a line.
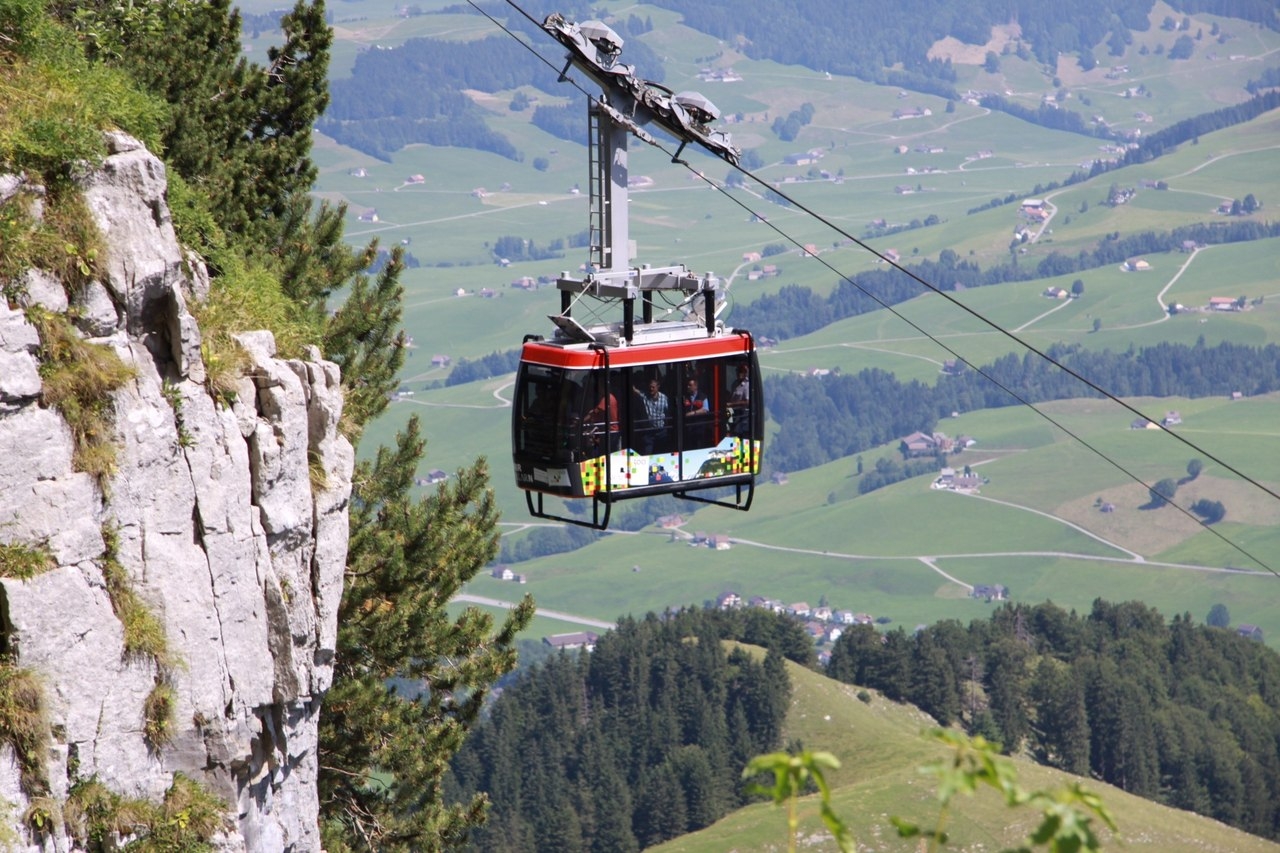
<point>714,541</point>
<point>824,624</point>
<point>760,270</point>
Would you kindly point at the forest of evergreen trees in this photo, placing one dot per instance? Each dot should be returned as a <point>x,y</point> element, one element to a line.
<point>413,94</point>
<point>642,740</point>
<point>1185,714</point>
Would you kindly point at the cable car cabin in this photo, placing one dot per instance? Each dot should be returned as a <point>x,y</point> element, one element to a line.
<point>651,418</point>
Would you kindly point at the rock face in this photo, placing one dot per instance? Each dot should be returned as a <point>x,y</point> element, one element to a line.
<point>229,522</point>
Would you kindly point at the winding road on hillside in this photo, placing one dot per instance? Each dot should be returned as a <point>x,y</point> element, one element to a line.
<point>928,560</point>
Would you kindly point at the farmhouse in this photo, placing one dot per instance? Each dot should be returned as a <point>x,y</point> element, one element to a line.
<point>576,640</point>
<point>1250,632</point>
<point>948,479</point>
<point>504,573</point>
<point>1223,303</point>
<point>1137,265</point>
<point>925,444</point>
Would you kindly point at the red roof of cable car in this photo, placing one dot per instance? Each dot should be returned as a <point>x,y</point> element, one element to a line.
<point>580,357</point>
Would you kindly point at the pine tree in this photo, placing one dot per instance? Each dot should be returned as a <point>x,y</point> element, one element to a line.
<point>409,680</point>
<point>365,339</point>
<point>1006,672</point>
<point>1062,725</point>
<point>239,132</point>
<point>933,680</point>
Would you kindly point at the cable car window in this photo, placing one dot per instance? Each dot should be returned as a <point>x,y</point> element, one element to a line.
<point>537,406</point>
<point>602,417</point>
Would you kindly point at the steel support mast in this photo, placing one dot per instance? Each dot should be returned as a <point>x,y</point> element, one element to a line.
<point>626,104</point>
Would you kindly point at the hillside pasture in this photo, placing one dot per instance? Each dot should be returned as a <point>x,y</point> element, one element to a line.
<point>880,746</point>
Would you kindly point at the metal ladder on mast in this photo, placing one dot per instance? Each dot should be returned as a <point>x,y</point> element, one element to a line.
<point>598,236</point>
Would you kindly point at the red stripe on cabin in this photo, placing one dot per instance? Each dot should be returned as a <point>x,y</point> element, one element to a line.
<point>656,353</point>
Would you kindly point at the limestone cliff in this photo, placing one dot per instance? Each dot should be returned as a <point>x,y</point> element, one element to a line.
<point>230,523</point>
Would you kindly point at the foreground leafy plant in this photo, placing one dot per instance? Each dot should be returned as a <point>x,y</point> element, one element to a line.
<point>791,775</point>
<point>1067,813</point>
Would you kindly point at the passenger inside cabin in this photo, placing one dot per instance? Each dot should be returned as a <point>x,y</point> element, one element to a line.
<point>740,403</point>
<point>601,420</point>
<point>652,428</point>
<point>697,415</point>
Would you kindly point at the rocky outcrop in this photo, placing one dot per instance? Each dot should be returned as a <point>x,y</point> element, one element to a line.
<point>230,523</point>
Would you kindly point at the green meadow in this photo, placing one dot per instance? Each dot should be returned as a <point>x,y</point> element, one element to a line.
<point>906,552</point>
